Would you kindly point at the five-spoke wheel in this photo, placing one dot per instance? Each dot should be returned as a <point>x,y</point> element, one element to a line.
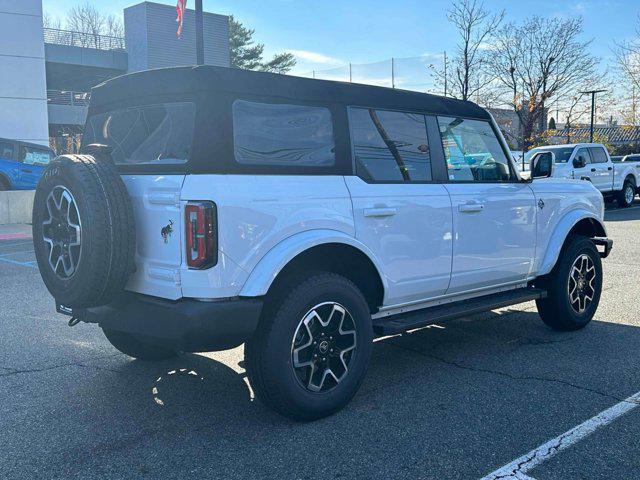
<point>323,346</point>
<point>62,232</point>
<point>580,285</point>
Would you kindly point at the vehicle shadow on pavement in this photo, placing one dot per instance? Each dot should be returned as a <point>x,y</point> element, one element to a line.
<point>622,214</point>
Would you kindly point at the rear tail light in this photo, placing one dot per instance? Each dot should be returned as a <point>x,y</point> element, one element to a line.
<point>202,235</point>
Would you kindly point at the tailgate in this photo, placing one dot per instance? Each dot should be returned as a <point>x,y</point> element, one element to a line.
<point>156,206</point>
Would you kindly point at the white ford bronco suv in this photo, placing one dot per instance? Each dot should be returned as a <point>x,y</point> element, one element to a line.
<point>213,207</point>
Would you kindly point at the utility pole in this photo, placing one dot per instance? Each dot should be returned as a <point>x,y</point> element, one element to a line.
<point>199,33</point>
<point>445,73</point>
<point>593,109</point>
<point>393,73</point>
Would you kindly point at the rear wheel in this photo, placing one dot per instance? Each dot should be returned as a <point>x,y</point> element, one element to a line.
<point>311,350</point>
<point>626,196</point>
<point>573,287</point>
<point>136,347</point>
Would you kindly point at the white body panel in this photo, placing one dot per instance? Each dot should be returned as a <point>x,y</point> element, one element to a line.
<point>409,229</point>
<point>494,234</point>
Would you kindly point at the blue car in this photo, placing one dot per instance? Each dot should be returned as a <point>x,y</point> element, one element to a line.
<point>22,164</point>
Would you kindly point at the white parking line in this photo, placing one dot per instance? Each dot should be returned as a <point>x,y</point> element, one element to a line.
<point>520,466</point>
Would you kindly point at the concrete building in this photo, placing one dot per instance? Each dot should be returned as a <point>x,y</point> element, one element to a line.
<point>47,74</point>
<point>23,99</point>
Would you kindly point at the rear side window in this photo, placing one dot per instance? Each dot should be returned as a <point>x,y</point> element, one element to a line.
<point>6,151</point>
<point>150,134</point>
<point>472,151</point>
<point>283,135</point>
<point>390,146</point>
<point>598,155</point>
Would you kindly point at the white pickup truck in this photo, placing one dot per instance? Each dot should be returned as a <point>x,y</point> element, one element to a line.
<point>213,207</point>
<point>591,161</point>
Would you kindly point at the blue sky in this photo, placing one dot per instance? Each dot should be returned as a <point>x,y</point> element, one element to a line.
<point>328,33</point>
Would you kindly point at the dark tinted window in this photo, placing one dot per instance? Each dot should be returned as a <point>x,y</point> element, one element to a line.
<point>150,134</point>
<point>6,151</point>
<point>35,156</point>
<point>283,135</point>
<point>598,155</point>
<point>632,158</point>
<point>472,151</point>
<point>562,154</point>
<point>390,146</point>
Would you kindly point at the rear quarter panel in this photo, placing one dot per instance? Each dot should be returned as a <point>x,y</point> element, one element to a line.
<point>256,213</point>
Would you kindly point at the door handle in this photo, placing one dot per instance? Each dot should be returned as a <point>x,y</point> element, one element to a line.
<point>609,168</point>
<point>593,169</point>
<point>470,207</point>
<point>27,171</point>
<point>379,212</point>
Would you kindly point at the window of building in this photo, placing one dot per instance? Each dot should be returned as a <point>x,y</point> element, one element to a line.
<point>283,135</point>
<point>472,151</point>
<point>390,146</point>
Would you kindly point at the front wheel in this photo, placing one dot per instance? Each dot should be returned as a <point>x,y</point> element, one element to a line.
<point>311,350</point>
<point>627,194</point>
<point>136,347</point>
<point>573,287</point>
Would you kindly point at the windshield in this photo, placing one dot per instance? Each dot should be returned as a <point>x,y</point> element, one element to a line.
<point>149,134</point>
<point>562,154</point>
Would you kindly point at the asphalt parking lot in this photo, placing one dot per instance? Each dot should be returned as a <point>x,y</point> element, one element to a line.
<point>454,401</point>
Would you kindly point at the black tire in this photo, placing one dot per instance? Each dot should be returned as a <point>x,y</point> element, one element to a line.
<point>626,196</point>
<point>136,347</point>
<point>557,310</point>
<point>104,260</point>
<point>268,354</point>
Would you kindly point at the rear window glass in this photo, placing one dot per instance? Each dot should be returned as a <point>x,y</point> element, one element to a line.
<point>598,154</point>
<point>150,134</point>
<point>283,135</point>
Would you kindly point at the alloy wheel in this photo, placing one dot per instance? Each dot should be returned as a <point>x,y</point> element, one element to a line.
<point>62,232</point>
<point>629,194</point>
<point>580,285</point>
<point>323,347</point>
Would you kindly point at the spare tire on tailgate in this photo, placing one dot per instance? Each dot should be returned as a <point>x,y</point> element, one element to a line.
<point>83,230</point>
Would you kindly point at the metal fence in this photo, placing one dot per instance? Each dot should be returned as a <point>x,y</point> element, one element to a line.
<point>411,73</point>
<point>74,99</point>
<point>84,40</point>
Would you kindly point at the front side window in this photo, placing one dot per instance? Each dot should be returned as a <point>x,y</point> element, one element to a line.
<point>6,151</point>
<point>283,135</point>
<point>149,134</point>
<point>35,156</point>
<point>472,151</point>
<point>598,155</point>
<point>563,154</point>
<point>390,146</point>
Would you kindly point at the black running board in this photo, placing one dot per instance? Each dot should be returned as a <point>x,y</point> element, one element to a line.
<point>400,323</point>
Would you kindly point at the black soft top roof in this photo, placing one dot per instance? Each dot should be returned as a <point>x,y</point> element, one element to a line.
<point>134,88</point>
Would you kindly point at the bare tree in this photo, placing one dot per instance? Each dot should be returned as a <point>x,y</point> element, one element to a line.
<point>540,59</point>
<point>627,55</point>
<point>91,25</point>
<point>468,74</point>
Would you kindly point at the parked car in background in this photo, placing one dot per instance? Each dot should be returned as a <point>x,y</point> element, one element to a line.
<point>22,164</point>
<point>591,161</point>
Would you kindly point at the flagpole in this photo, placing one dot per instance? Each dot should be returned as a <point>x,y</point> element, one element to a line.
<point>199,33</point>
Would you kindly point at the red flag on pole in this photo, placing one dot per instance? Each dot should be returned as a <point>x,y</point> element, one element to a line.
<point>180,8</point>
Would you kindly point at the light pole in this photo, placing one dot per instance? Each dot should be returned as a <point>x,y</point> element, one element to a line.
<point>199,33</point>
<point>593,109</point>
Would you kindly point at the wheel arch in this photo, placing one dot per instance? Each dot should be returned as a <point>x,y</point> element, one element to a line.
<point>577,222</point>
<point>326,250</point>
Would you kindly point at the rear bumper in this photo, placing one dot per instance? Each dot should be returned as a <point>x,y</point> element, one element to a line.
<point>186,325</point>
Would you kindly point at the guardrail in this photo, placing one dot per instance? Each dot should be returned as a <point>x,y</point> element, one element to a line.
<point>81,39</point>
<point>74,99</point>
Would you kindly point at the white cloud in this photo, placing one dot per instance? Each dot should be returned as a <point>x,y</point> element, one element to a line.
<point>315,57</point>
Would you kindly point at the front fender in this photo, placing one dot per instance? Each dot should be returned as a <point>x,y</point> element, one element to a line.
<point>268,268</point>
<point>559,235</point>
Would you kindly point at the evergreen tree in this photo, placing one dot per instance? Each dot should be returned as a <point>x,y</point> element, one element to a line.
<point>248,55</point>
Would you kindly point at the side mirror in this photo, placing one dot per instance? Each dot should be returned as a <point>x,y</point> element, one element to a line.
<point>542,165</point>
<point>579,162</point>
